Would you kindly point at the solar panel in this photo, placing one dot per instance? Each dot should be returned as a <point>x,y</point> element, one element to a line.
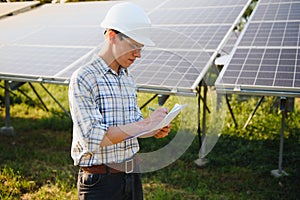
<point>43,44</point>
<point>272,34</point>
<point>202,3</point>
<point>201,37</point>
<point>49,45</point>
<point>64,36</point>
<point>37,61</point>
<point>196,15</point>
<point>277,1</point>
<point>276,12</point>
<point>169,70</point>
<point>190,33</point>
<point>266,59</point>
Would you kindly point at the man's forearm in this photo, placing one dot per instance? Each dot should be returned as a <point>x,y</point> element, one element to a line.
<point>116,134</point>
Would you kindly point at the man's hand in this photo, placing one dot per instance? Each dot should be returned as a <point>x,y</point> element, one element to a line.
<point>163,132</point>
<point>153,120</point>
<point>156,117</point>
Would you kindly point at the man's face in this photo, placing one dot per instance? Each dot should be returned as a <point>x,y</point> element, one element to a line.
<point>126,50</point>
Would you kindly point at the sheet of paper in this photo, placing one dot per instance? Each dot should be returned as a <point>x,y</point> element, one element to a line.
<point>167,120</point>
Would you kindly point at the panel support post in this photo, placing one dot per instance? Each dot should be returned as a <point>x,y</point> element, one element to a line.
<point>279,172</point>
<point>204,120</point>
<point>253,112</point>
<point>162,99</point>
<point>145,104</point>
<point>7,129</point>
<point>58,103</point>
<point>201,161</point>
<point>230,110</point>
<point>199,115</point>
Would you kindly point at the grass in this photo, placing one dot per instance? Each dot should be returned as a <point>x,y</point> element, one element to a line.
<point>36,163</point>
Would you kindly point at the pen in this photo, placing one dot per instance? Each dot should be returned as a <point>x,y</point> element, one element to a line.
<point>152,109</point>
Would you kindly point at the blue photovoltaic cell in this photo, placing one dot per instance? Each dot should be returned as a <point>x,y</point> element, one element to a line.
<point>196,15</point>
<point>65,36</point>
<point>267,57</point>
<point>169,69</point>
<point>206,37</point>
<point>277,12</point>
<point>270,34</point>
<point>37,61</point>
<point>269,67</point>
<point>277,1</point>
<point>202,3</point>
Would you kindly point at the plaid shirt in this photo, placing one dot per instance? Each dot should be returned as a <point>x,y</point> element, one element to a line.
<point>99,98</point>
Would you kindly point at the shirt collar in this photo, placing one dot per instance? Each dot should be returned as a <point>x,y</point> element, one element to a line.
<point>123,71</point>
<point>105,68</point>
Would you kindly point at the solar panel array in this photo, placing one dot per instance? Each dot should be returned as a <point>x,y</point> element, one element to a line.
<point>266,60</point>
<point>50,42</point>
<point>188,34</point>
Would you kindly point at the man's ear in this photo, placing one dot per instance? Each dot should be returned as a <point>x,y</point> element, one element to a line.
<point>111,35</point>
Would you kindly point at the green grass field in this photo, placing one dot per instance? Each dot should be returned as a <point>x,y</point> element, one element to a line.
<point>36,162</point>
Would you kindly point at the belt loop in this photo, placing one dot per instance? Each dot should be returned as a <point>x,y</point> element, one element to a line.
<point>107,170</point>
<point>129,166</point>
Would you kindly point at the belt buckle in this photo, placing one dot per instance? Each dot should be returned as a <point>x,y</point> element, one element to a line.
<point>129,166</point>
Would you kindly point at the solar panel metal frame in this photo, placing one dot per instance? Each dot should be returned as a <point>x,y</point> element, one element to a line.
<point>250,89</point>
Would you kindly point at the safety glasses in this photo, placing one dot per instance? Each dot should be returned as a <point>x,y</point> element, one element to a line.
<point>134,47</point>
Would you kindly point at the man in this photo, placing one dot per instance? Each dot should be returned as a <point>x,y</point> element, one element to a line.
<point>105,113</point>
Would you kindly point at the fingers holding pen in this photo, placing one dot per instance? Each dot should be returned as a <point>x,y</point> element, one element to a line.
<point>155,118</point>
<point>159,112</point>
<point>164,111</point>
<point>157,115</point>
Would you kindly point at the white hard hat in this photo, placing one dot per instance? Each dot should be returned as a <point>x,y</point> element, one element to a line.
<point>130,20</point>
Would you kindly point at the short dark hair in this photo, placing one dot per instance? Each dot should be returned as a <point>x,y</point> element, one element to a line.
<point>121,35</point>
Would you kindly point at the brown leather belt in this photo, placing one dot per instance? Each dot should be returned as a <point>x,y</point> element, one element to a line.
<point>125,167</point>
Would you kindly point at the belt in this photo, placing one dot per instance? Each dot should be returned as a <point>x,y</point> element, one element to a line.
<point>124,167</point>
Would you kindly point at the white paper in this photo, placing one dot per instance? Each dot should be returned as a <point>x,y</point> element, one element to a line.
<point>166,121</point>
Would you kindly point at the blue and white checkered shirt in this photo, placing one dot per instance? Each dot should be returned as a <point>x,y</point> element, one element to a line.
<point>99,98</point>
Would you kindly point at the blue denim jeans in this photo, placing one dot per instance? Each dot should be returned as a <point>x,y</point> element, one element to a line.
<point>119,186</point>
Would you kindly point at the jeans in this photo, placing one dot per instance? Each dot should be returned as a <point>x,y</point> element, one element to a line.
<point>119,186</point>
